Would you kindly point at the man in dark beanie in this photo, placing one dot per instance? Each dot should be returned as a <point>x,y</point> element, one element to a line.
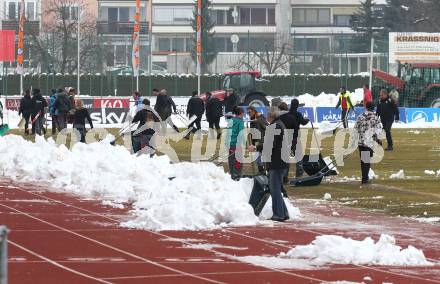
<point>38,103</point>
<point>296,143</point>
<point>196,107</point>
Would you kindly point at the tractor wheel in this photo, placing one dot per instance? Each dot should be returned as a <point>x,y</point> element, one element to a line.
<point>256,100</point>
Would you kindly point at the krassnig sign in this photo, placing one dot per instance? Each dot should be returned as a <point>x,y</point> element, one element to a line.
<point>414,47</point>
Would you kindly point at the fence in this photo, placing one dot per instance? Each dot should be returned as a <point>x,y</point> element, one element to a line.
<point>179,85</point>
<point>3,255</point>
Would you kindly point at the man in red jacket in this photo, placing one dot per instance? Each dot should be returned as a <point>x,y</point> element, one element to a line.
<point>368,97</point>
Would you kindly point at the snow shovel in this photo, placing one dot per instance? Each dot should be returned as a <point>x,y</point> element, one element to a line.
<point>312,166</point>
<point>313,180</point>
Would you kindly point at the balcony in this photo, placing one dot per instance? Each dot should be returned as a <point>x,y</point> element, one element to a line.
<point>30,27</point>
<point>122,28</point>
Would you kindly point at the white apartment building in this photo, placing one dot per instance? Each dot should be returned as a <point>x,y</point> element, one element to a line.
<point>312,27</point>
<point>115,26</point>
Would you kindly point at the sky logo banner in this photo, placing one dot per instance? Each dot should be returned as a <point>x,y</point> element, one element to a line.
<point>423,115</point>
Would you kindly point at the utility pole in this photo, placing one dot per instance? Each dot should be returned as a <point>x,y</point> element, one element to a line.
<point>79,51</point>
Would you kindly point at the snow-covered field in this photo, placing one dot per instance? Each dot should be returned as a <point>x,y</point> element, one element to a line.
<point>200,195</point>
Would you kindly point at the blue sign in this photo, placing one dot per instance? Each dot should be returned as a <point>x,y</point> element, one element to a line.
<point>402,114</point>
<point>308,112</point>
<point>331,114</point>
<point>423,115</point>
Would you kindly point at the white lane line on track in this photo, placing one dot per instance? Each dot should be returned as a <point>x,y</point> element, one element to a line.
<point>183,273</point>
<point>167,236</point>
<point>58,264</point>
<point>243,235</point>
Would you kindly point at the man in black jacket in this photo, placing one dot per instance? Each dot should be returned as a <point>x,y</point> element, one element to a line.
<point>214,111</point>
<point>196,107</point>
<point>165,106</point>
<point>26,109</point>
<point>290,122</point>
<point>258,122</point>
<point>275,164</point>
<point>388,112</point>
<point>147,119</point>
<point>62,107</point>
<point>38,103</point>
<point>296,143</point>
<point>231,100</point>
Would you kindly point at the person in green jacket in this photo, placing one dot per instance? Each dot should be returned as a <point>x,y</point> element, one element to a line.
<point>235,130</point>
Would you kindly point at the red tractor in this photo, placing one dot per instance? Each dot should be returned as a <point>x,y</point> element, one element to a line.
<point>244,85</point>
<point>417,84</point>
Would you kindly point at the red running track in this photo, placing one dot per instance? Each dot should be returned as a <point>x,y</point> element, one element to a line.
<point>57,238</point>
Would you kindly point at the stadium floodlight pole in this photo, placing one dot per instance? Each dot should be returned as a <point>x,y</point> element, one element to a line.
<point>79,51</point>
<point>199,43</point>
<point>371,62</point>
<point>136,43</point>
<point>20,51</point>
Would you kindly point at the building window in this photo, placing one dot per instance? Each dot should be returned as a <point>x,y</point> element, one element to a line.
<point>257,16</point>
<point>230,18</point>
<point>164,44</point>
<point>310,16</point>
<point>220,17</point>
<point>311,45</point>
<point>69,13</point>
<point>12,11</point>
<point>271,16</point>
<point>342,20</point>
<point>257,44</point>
<point>245,16</point>
<point>30,11</point>
<point>178,44</point>
<point>172,16</point>
<point>124,14</point>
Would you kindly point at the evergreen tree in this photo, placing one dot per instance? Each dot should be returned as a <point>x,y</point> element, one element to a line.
<point>411,15</point>
<point>209,51</point>
<point>367,23</point>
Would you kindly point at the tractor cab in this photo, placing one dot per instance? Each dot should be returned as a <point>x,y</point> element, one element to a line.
<point>243,83</point>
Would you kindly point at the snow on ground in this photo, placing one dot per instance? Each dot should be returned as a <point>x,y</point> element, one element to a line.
<point>399,175</point>
<point>372,174</point>
<point>327,196</point>
<point>330,249</point>
<point>428,219</point>
<point>201,196</point>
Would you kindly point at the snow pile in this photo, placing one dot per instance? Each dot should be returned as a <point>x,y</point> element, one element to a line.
<point>201,196</point>
<point>399,175</point>
<point>326,100</point>
<point>372,174</point>
<point>327,196</point>
<point>338,250</point>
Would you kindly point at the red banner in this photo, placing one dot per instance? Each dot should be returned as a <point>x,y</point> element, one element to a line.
<point>7,46</point>
<point>111,103</point>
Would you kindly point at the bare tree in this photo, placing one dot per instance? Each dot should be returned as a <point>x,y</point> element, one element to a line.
<point>272,60</point>
<point>57,43</point>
